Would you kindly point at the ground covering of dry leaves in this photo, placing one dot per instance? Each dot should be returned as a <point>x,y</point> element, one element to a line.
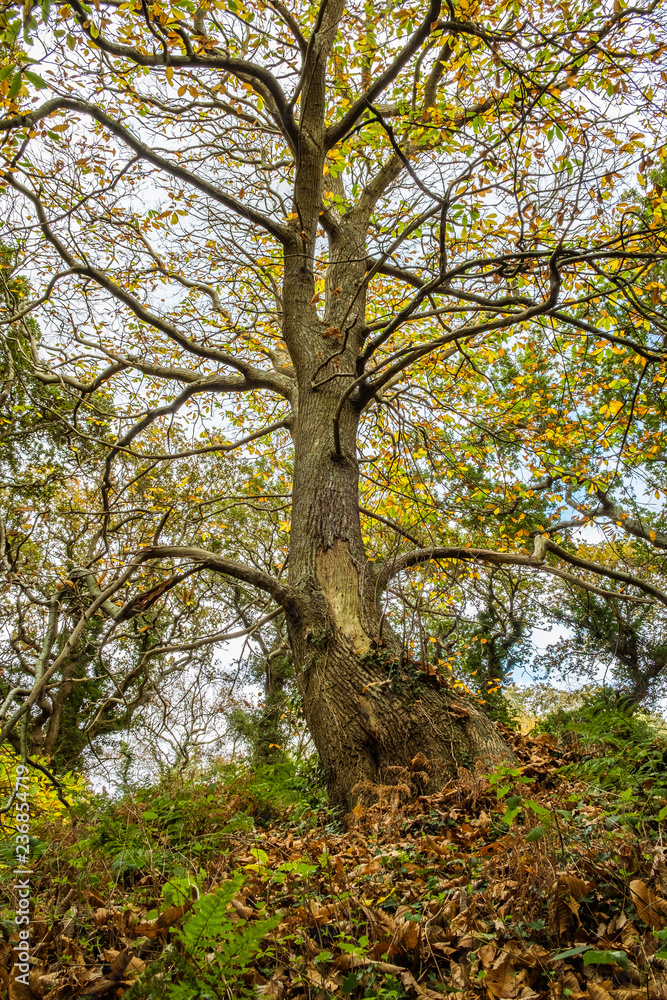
<point>524,884</point>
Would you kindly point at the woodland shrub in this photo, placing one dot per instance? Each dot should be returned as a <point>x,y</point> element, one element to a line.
<point>625,753</point>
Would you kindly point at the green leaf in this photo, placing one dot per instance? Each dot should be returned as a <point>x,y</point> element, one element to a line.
<point>662,814</point>
<point>350,983</point>
<point>570,952</point>
<point>606,958</point>
<point>539,810</point>
<point>46,10</point>
<point>6,71</point>
<point>210,915</point>
<point>34,79</point>
<point>514,803</point>
<point>15,85</point>
<point>535,834</point>
<point>661,954</point>
<point>510,815</point>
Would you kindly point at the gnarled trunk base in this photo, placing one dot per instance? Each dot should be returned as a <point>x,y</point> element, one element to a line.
<point>370,717</point>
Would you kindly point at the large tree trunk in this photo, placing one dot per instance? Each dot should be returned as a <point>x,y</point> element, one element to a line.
<point>368,709</point>
<point>365,710</point>
<point>370,716</point>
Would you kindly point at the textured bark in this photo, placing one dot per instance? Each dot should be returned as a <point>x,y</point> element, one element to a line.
<point>367,709</point>
<point>369,715</point>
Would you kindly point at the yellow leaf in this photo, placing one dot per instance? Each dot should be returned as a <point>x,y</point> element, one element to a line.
<point>169,73</point>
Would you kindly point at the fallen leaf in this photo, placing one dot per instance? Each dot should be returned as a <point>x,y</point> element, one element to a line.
<point>651,908</point>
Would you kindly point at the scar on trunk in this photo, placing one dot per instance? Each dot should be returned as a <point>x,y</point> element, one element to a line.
<point>339,578</point>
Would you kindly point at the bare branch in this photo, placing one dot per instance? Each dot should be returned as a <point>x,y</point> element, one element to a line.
<point>280,592</point>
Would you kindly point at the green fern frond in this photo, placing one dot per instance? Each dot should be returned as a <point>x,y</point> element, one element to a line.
<point>214,952</point>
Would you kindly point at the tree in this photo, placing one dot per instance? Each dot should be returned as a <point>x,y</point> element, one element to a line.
<point>101,680</point>
<point>368,240</point>
<point>625,645</point>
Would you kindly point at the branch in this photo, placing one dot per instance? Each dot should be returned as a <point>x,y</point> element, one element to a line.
<point>207,449</point>
<point>408,355</point>
<point>336,132</point>
<point>612,574</point>
<point>280,592</point>
<point>145,152</point>
<point>72,638</point>
<point>292,24</point>
<point>392,271</point>
<point>212,384</point>
<point>391,567</point>
<point>15,317</point>
<point>83,387</point>
<point>216,637</point>
<point>633,526</point>
<point>643,352</point>
<point>255,378</point>
<point>584,585</point>
<point>206,385</point>
<point>260,78</point>
<point>390,524</point>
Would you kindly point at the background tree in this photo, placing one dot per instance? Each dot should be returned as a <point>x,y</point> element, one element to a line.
<point>104,679</point>
<point>622,647</point>
<point>361,245</point>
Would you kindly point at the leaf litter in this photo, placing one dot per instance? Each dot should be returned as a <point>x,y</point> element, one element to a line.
<point>522,883</point>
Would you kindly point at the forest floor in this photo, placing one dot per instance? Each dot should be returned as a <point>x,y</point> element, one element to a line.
<point>547,879</point>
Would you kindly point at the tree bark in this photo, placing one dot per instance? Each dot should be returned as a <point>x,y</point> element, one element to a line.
<point>369,710</point>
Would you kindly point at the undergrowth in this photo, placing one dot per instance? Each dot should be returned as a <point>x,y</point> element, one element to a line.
<point>625,747</point>
<point>544,877</point>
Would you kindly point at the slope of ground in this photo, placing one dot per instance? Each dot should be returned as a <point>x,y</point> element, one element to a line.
<point>543,880</point>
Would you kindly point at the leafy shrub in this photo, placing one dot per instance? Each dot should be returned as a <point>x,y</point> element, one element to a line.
<point>170,832</point>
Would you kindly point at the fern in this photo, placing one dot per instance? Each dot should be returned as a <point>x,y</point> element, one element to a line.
<point>209,918</point>
<point>212,956</point>
<point>629,747</point>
